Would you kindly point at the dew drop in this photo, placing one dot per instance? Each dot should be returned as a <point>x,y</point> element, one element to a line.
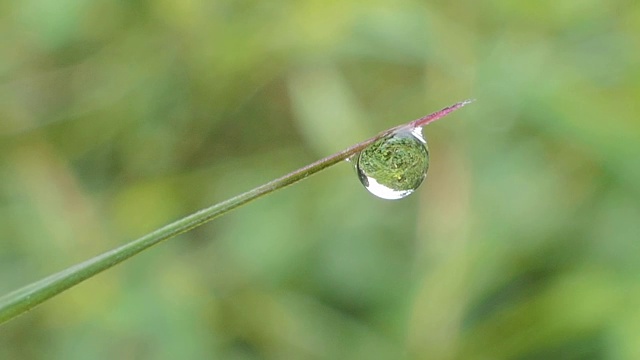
<point>394,166</point>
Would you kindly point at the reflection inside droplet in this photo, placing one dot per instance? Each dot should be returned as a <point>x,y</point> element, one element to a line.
<point>394,166</point>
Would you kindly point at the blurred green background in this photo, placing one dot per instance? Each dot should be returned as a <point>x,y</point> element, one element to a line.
<point>117,117</point>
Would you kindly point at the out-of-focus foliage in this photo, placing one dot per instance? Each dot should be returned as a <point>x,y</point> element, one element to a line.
<point>523,243</point>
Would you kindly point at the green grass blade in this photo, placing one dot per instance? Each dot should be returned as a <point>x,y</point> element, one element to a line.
<point>26,298</point>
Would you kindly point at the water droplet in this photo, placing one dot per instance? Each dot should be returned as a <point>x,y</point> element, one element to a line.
<point>394,166</point>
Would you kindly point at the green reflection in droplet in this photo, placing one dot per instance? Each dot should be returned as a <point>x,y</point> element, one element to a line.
<point>394,166</point>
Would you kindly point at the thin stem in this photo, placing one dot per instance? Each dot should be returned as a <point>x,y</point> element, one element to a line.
<point>26,298</point>
<point>426,120</point>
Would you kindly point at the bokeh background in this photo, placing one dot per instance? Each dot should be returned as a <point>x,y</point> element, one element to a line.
<point>117,117</point>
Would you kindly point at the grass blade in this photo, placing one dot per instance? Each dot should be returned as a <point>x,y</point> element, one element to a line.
<point>26,298</point>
